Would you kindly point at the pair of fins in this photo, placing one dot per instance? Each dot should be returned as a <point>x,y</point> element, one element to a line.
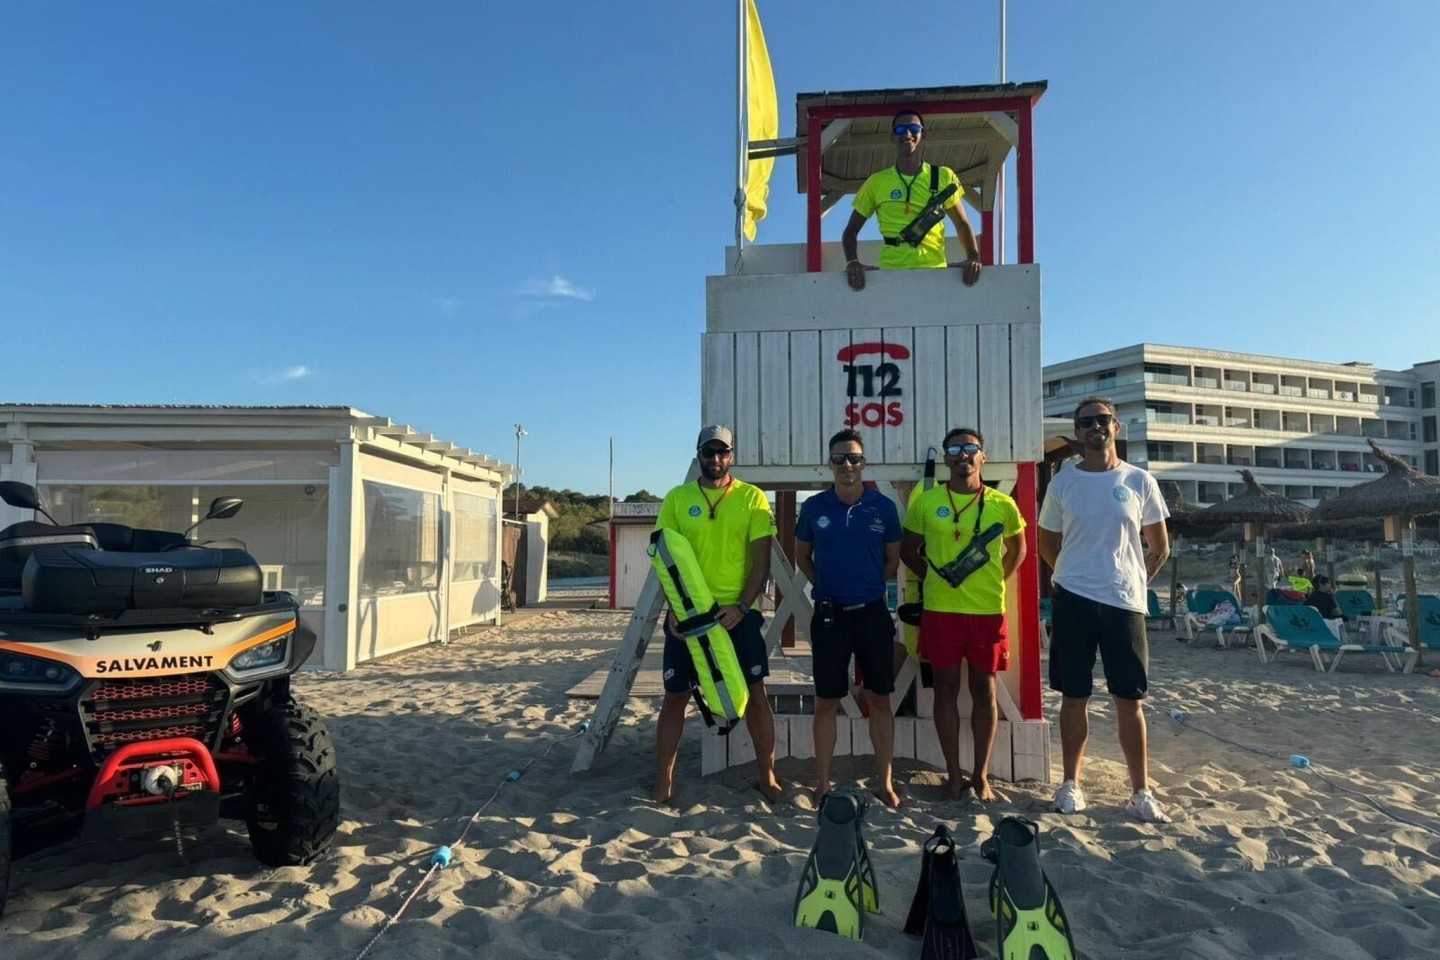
<point>1030,922</point>
<point>837,886</point>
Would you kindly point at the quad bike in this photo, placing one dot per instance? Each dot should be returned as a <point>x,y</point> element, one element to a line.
<point>145,688</point>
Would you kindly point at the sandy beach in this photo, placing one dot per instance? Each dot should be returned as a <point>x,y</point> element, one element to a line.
<point>1263,859</point>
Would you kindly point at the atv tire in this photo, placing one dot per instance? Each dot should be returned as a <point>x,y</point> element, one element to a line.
<point>4,839</point>
<point>295,792</point>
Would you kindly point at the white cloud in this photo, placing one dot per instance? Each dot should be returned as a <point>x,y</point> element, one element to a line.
<point>555,288</point>
<point>288,375</point>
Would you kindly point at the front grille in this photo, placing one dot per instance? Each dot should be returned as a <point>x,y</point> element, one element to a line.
<point>119,712</point>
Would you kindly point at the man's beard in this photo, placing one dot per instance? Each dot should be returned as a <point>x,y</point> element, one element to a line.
<point>713,471</point>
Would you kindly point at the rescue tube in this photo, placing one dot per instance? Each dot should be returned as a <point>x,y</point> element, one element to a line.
<point>721,692</point>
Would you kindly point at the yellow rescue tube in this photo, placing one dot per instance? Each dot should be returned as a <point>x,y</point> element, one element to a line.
<point>722,692</point>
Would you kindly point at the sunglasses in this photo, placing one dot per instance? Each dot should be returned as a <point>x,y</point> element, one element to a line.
<point>854,459</point>
<point>969,449</point>
<point>1099,420</point>
<point>903,128</point>
<point>714,453</point>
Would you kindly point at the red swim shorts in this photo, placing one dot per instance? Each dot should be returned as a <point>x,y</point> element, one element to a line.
<point>981,638</point>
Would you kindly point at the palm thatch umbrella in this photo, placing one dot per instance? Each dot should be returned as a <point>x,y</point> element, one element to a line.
<point>1256,508</point>
<point>1400,496</point>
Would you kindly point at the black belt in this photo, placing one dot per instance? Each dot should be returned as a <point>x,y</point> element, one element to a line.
<point>852,607</point>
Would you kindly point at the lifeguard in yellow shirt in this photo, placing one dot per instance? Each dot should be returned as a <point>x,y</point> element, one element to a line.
<point>896,196</point>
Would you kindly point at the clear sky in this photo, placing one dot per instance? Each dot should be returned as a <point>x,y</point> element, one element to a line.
<point>461,215</point>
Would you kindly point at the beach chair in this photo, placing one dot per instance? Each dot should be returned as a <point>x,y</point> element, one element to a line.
<point>1355,603</point>
<point>1429,632</point>
<point>1401,600</point>
<point>1302,628</point>
<point>1201,604</point>
<point>1153,611</point>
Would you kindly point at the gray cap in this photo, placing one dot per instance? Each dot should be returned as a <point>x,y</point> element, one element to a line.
<point>722,434</point>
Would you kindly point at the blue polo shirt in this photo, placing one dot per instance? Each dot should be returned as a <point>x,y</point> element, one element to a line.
<point>848,544</point>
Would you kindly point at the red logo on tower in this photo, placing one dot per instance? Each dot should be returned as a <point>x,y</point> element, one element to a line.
<point>874,374</point>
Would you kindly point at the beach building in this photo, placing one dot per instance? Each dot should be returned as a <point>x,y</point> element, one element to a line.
<point>1197,416</point>
<point>389,537</point>
<point>532,517</point>
<point>629,540</point>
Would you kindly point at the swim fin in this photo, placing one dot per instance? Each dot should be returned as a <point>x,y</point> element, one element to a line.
<point>869,892</point>
<point>937,913</point>
<point>831,895</point>
<point>1030,922</point>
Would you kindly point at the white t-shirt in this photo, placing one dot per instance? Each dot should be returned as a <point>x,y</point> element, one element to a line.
<point>1098,516</point>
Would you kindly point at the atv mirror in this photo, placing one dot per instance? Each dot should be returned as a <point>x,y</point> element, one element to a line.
<point>19,494</point>
<point>223,508</point>
<point>24,496</point>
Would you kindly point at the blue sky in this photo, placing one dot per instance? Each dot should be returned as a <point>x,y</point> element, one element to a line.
<point>462,215</point>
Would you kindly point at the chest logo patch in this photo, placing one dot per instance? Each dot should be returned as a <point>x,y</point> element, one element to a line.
<point>943,512</point>
<point>1121,494</point>
<point>822,522</point>
<point>695,511</point>
<point>896,194</point>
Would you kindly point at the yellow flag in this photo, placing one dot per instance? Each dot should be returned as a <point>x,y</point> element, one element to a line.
<point>763,109</point>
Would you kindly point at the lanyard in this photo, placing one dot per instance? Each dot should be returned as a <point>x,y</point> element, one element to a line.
<point>909,183</point>
<point>955,514</point>
<point>716,505</point>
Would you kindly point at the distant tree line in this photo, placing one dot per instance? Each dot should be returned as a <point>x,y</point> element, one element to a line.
<point>572,531</point>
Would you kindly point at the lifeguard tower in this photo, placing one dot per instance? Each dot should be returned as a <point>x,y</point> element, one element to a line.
<point>791,354</point>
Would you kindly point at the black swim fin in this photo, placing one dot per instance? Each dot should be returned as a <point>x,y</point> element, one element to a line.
<point>1030,921</point>
<point>937,913</point>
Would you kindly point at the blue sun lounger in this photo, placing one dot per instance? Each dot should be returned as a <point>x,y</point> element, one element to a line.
<point>1302,628</point>
<point>1429,632</point>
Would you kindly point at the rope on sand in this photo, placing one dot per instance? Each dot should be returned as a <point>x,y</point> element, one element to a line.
<point>1302,762</point>
<point>441,858</point>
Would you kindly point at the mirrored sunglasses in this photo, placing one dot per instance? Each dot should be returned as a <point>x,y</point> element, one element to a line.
<point>969,449</point>
<point>903,128</point>
<point>854,459</point>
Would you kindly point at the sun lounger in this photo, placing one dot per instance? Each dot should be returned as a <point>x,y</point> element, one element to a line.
<point>1429,632</point>
<point>1355,603</point>
<point>1302,628</point>
<point>1202,604</point>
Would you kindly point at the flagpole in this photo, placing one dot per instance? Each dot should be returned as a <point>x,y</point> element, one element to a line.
<point>998,243</point>
<point>742,133</point>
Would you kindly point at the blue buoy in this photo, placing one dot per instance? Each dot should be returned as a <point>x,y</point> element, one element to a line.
<point>441,858</point>
<point>512,776</point>
<point>1297,760</point>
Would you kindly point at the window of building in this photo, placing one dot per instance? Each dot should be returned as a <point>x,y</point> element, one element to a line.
<point>475,548</point>
<point>1427,395</point>
<point>1432,462</point>
<point>402,540</point>
<point>1428,429</point>
<point>283,526</point>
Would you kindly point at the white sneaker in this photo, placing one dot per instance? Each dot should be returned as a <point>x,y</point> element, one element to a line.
<point>1144,807</point>
<point>1069,798</point>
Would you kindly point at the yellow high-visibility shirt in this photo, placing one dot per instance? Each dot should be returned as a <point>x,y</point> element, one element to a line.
<point>884,195</point>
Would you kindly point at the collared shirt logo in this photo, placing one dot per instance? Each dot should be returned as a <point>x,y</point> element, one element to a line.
<point>1121,494</point>
<point>943,512</point>
<point>822,522</point>
<point>896,194</point>
<point>695,511</point>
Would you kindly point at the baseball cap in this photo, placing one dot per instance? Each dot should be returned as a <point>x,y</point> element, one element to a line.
<point>715,433</point>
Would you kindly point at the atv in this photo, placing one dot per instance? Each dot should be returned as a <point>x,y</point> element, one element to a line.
<point>145,688</point>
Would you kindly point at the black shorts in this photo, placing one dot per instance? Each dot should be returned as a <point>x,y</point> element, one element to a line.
<point>749,640</point>
<point>867,634</point>
<point>1080,627</point>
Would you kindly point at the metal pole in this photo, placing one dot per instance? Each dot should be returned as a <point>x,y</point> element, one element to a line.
<point>612,478</point>
<point>519,432</point>
<point>998,245</point>
<point>742,133</point>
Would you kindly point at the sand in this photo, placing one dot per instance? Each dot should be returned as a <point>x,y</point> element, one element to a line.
<point>1263,859</point>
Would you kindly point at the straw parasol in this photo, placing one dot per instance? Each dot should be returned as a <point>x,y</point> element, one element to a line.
<point>1400,496</point>
<point>1256,508</point>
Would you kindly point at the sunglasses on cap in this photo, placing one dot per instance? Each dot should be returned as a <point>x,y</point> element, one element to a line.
<point>854,459</point>
<point>903,128</point>
<point>714,453</point>
<point>1098,420</point>
<point>969,449</point>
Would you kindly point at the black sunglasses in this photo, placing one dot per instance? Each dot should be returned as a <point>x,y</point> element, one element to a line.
<point>969,449</point>
<point>714,453</point>
<point>1099,420</point>
<point>854,459</point>
<point>903,128</point>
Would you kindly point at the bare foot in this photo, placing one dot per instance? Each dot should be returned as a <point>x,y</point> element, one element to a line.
<point>980,787</point>
<point>1435,673</point>
<point>770,789</point>
<point>955,788</point>
<point>888,796</point>
<point>664,792</point>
